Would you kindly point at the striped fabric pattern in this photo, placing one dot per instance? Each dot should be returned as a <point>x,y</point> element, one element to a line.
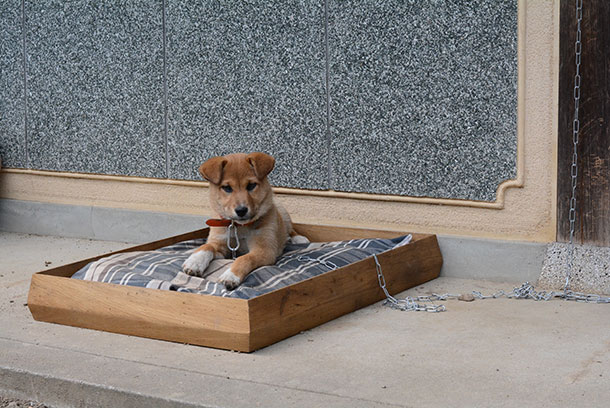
<point>162,268</point>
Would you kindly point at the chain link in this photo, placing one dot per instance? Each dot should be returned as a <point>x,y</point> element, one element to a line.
<point>232,229</point>
<point>525,291</point>
<point>426,303</point>
<point>575,134</point>
<point>409,303</point>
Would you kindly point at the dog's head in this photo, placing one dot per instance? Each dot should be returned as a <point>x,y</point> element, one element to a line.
<point>239,189</point>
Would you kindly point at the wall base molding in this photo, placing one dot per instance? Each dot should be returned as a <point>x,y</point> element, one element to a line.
<point>464,257</point>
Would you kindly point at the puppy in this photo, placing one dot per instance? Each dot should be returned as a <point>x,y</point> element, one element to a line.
<point>240,191</point>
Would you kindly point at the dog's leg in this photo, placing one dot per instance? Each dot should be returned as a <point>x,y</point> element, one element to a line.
<point>245,264</point>
<point>199,260</point>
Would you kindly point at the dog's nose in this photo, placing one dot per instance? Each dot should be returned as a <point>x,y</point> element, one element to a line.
<point>241,211</point>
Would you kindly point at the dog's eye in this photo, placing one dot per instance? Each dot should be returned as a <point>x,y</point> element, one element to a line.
<point>227,189</point>
<point>251,186</point>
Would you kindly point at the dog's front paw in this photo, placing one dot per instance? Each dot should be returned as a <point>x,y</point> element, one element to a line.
<point>197,263</point>
<point>229,279</point>
<point>299,239</point>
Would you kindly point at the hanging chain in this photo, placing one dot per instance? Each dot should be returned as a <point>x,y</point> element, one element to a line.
<point>232,229</point>
<point>575,130</point>
<point>409,303</point>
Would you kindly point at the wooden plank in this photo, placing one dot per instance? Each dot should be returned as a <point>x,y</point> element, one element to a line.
<point>322,233</point>
<point>283,313</point>
<point>181,317</point>
<point>593,188</point>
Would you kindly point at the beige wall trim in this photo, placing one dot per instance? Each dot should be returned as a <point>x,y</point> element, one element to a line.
<point>499,204</point>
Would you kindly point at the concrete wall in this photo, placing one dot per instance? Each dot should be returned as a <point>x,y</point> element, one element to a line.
<point>342,93</point>
<point>435,116</point>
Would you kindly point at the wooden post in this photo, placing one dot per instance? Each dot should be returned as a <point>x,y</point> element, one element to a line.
<point>593,188</point>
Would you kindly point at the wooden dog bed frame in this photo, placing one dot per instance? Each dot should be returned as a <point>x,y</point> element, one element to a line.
<point>228,323</point>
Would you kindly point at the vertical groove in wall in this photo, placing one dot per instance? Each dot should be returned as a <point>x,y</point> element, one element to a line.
<point>328,134</point>
<point>165,138</point>
<point>25,87</point>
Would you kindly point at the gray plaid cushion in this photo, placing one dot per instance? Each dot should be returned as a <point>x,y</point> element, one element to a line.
<point>162,268</point>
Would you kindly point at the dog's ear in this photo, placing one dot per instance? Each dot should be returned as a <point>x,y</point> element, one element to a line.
<point>262,164</point>
<point>212,169</point>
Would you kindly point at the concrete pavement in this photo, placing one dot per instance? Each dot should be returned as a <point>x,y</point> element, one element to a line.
<point>500,353</point>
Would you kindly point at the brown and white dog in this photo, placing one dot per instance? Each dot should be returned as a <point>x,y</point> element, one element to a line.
<point>240,191</point>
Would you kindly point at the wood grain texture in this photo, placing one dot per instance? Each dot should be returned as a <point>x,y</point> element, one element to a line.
<point>234,324</point>
<point>593,188</point>
<point>324,233</point>
<point>283,313</point>
<point>181,317</point>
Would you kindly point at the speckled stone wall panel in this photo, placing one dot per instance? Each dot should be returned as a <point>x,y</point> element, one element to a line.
<point>423,96</point>
<point>247,76</point>
<point>12,95</point>
<point>95,86</point>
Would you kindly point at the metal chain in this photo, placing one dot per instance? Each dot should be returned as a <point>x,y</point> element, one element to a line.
<point>409,303</point>
<point>426,303</point>
<point>525,291</point>
<point>232,228</point>
<point>575,130</point>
